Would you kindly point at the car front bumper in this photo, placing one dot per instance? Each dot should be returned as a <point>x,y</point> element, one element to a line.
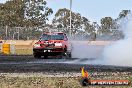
<point>48,51</point>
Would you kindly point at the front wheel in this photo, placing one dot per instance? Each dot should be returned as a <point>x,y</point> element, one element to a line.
<point>37,56</point>
<point>45,57</point>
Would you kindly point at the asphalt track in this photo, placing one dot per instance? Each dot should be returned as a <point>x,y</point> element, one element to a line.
<point>27,63</point>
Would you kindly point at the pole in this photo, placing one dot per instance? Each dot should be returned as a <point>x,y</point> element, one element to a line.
<point>18,34</point>
<point>70,16</point>
<point>13,35</point>
<point>6,32</point>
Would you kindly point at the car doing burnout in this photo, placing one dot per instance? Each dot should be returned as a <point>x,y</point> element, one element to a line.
<point>51,44</point>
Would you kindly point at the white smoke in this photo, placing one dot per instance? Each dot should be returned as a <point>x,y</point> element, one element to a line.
<point>86,50</point>
<point>120,52</point>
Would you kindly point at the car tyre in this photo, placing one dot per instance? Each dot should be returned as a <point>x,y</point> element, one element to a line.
<point>37,56</point>
<point>45,57</point>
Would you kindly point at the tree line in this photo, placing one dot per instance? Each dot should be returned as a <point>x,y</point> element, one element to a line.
<point>27,14</point>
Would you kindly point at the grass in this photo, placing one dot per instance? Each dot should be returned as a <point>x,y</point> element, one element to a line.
<point>24,52</point>
<point>20,52</point>
<point>38,82</point>
<point>47,82</point>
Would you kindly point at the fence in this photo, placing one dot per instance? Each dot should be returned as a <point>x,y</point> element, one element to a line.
<point>33,33</point>
<point>19,33</point>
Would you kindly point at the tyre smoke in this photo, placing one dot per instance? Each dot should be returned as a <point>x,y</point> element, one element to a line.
<point>86,49</point>
<point>120,52</point>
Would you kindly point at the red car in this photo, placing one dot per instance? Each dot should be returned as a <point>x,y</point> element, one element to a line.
<point>51,44</point>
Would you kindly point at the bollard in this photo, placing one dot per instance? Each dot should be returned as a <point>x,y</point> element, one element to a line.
<point>6,48</point>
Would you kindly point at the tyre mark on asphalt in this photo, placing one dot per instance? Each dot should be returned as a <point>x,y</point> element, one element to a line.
<point>29,64</point>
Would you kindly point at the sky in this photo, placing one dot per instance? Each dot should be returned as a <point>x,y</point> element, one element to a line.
<point>94,10</point>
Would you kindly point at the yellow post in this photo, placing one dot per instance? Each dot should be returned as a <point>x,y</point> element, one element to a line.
<point>6,48</point>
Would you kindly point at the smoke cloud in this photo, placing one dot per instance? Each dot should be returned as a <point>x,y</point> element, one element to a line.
<point>120,52</point>
<point>86,50</point>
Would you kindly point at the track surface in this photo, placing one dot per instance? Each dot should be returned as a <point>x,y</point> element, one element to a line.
<point>29,64</point>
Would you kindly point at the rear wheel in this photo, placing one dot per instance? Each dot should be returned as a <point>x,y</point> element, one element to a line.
<point>64,55</point>
<point>69,54</point>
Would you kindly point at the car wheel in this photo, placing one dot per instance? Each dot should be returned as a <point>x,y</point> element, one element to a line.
<point>67,55</point>
<point>45,57</point>
<point>37,56</point>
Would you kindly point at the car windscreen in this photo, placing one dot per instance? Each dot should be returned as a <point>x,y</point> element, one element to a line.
<point>52,37</point>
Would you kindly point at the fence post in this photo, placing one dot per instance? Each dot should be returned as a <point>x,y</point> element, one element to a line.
<point>6,32</point>
<point>12,48</point>
<point>0,47</point>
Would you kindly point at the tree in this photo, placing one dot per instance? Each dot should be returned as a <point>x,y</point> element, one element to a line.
<point>89,28</point>
<point>106,25</point>
<point>123,13</point>
<point>23,13</point>
<point>62,21</point>
<point>12,13</point>
<point>36,12</point>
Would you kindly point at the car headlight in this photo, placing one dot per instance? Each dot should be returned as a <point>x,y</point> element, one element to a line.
<point>58,44</point>
<point>36,45</point>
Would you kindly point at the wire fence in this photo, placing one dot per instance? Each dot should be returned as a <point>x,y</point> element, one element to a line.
<point>19,33</point>
<point>34,33</point>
